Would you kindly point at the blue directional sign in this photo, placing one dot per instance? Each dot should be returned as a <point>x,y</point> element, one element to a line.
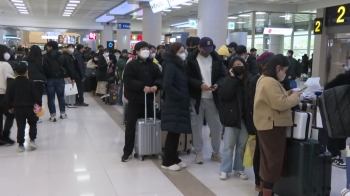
<point>110,44</point>
<point>123,25</point>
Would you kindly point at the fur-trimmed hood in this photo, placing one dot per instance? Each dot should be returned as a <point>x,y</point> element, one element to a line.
<point>172,58</point>
<point>66,51</point>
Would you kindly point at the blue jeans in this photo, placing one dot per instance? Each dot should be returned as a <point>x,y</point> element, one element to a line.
<point>120,95</point>
<point>55,86</point>
<point>234,137</point>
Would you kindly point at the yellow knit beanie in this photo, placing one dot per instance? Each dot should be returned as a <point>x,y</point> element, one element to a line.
<point>223,51</point>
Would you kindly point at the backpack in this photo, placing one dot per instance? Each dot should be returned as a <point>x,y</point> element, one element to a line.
<point>55,67</point>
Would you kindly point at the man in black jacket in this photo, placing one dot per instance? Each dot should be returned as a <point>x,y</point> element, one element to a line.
<point>253,69</point>
<point>80,74</point>
<point>160,50</point>
<point>205,72</point>
<point>294,70</point>
<point>56,68</point>
<point>141,76</point>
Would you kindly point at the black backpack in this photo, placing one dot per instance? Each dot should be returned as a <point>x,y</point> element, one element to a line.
<point>55,67</point>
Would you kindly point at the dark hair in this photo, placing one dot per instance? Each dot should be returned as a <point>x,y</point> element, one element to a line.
<point>3,50</point>
<point>174,47</point>
<point>152,47</point>
<point>53,45</point>
<point>100,51</point>
<point>291,52</point>
<point>241,50</point>
<point>160,47</point>
<point>34,54</point>
<point>99,46</point>
<point>79,47</point>
<point>192,41</point>
<point>93,57</point>
<point>253,50</point>
<point>21,68</point>
<point>246,77</point>
<point>279,59</point>
<point>70,45</point>
<point>117,51</point>
<point>106,50</point>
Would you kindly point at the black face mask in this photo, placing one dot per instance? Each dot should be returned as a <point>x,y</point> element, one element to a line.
<point>205,54</point>
<point>238,71</point>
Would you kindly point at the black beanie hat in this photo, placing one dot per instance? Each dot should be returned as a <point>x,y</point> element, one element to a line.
<point>140,45</point>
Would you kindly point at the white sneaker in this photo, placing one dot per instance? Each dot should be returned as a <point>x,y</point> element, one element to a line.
<point>182,164</point>
<point>53,119</point>
<point>216,157</point>
<point>199,158</point>
<point>20,149</point>
<point>174,167</point>
<point>39,121</point>
<point>32,145</point>
<point>223,176</point>
<point>242,175</point>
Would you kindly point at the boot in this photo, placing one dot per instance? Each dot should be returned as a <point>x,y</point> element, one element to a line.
<point>261,188</point>
<point>267,192</point>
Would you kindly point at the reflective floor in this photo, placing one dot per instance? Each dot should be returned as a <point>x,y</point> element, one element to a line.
<point>80,156</point>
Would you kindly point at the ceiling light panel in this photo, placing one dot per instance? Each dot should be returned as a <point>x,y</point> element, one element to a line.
<point>21,6</point>
<point>74,2</point>
<point>70,7</point>
<point>124,8</point>
<point>17,1</point>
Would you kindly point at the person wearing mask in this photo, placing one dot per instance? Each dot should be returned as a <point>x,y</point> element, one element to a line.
<point>67,53</point>
<point>7,76</point>
<point>117,54</point>
<point>12,61</point>
<point>92,65</point>
<point>100,47</point>
<point>294,70</point>
<point>192,43</point>
<point>335,145</point>
<point>253,69</point>
<point>36,70</point>
<point>56,68</point>
<point>140,76</point>
<point>160,50</point>
<point>253,52</point>
<point>272,115</point>
<point>224,54</point>
<point>205,74</point>
<point>232,112</point>
<point>104,69</point>
<point>121,66</point>
<point>80,74</point>
<point>175,112</point>
<point>232,49</point>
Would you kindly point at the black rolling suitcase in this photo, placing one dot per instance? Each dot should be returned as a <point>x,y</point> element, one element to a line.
<point>325,174</point>
<point>302,169</point>
<point>112,98</point>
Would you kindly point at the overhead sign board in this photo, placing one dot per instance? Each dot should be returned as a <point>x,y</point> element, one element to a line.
<point>110,44</point>
<point>231,25</point>
<point>192,23</point>
<point>318,26</point>
<point>338,15</point>
<point>278,31</point>
<point>159,5</point>
<point>92,36</point>
<point>123,25</point>
<point>60,39</point>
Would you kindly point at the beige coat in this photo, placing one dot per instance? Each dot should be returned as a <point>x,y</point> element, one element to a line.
<point>91,65</point>
<point>272,104</point>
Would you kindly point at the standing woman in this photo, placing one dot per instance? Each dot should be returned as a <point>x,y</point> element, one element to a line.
<point>92,66</point>
<point>272,115</point>
<point>7,76</point>
<point>102,74</point>
<point>36,69</point>
<point>232,112</point>
<point>175,113</point>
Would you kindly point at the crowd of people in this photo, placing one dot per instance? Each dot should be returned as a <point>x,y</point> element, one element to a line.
<point>237,93</point>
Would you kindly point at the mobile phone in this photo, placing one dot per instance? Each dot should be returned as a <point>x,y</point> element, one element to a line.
<point>212,87</point>
<point>304,89</point>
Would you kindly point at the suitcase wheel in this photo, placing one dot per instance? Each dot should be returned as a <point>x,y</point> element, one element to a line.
<point>136,155</point>
<point>141,158</point>
<point>188,151</point>
<point>160,157</point>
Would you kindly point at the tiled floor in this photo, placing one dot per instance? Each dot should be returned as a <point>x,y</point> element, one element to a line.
<point>80,156</point>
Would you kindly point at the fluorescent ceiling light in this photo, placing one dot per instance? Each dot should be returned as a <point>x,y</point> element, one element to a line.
<point>69,4</point>
<point>139,18</point>
<point>17,1</point>
<point>240,22</point>
<point>65,15</point>
<point>167,10</point>
<point>124,8</point>
<point>74,1</point>
<point>68,11</point>
<point>232,17</point>
<point>260,13</point>
<point>186,4</point>
<point>260,19</point>
<point>24,12</point>
<point>244,15</point>
<point>19,4</point>
<point>21,7</point>
<point>176,7</point>
<point>70,8</point>
<point>179,24</point>
<point>300,29</point>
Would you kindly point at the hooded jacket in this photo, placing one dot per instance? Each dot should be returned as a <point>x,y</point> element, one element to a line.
<point>56,66</point>
<point>195,79</point>
<point>69,59</point>
<point>36,70</point>
<point>80,71</point>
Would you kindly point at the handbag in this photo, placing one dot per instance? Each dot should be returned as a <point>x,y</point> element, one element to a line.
<point>249,152</point>
<point>91,72</point>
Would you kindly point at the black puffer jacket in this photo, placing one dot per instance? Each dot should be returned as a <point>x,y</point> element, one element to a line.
<point>294,69</point>
<point>36,70</point>
<point>79,65</point>
<point>137,75</point>
<point>102,68</point>
<point>195,77</point>
<point>175,111</point>
<point>69,59</point>
<point>56,66</point>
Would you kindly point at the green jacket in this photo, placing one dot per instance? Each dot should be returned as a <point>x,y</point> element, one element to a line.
<point>121,65</point>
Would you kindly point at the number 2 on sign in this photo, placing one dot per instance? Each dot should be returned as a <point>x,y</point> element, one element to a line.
<point>318,26</point>
<point>341,12</point>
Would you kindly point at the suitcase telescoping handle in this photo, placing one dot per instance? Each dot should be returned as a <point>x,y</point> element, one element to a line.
<point>154,107</point>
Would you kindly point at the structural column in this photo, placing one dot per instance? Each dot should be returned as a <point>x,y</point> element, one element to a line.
<point>212,20</point>
<point>2,32</point>
<point>276,44</point>
<point>107,34</point>
<point>123,35</point>
<point>151,26</point>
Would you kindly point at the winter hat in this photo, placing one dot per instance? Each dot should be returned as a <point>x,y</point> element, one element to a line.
<point>140,45</point>
<point>223,51</point>
<point>265,57</point>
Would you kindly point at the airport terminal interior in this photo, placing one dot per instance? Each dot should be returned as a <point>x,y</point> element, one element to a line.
<point>82,151</point>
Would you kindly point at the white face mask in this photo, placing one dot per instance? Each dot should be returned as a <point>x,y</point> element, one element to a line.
<point>117,55</point>
<point>7,56</point>
<point>71,50</point>
<point>182,56</point>
<point>96,59</point>
<point>106,54</point>
<point>153,55</point>
<point>144,54</point>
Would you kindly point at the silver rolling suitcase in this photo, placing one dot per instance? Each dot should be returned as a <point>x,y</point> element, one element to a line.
<point>70,100</point>
<point>148,139</point>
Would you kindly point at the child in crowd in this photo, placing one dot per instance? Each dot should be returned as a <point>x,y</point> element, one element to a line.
<point>21,97</point>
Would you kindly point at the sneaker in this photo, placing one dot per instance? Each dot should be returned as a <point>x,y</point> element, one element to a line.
<point>216,157</point>
<point>242,175</point>
<point>20,148</point>
<point>6,140</point>
<point>32,145</point>
<point>223,176</point>
<point>72,106</point>
<point>39,121</point>
<point>182,165</point>
<point>174,167</point>
<point>53,119</point>
<point>257,188</point>
<point>63,116</point>
<point>83,104</point>
<point>199,158</point>
<point>126,158</point>
<point>338,162</point>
